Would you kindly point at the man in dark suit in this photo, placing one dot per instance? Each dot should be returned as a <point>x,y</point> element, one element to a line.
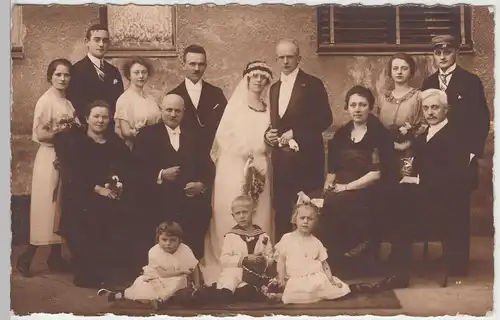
<point>469,114</point>
<point>93,78</point>
<point>204,102</point>
<point>174,176</point>
<point>300,112</point>
<point>431,195</point>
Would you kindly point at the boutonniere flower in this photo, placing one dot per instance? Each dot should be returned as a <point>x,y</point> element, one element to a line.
<point>115,81</point>
<point>303,85</point>
<point>405,128</point>
<point>459,97</point>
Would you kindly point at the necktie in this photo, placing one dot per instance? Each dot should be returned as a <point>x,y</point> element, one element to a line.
<point>444,81</point>
<point>100,71</point>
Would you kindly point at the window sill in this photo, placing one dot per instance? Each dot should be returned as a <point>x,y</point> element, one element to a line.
<point>380,49</point>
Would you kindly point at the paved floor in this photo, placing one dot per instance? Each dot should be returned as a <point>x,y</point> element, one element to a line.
<point>473,295</point>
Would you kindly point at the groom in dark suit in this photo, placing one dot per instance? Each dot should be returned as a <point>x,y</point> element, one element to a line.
<point>204,102</point>
<point>93,78</point>
<point>174,175</point>
<point>469,114</point>
<point>300,112</point>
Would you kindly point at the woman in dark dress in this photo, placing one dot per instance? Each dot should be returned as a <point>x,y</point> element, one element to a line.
<point>360,157</point>
<point>92,160</point>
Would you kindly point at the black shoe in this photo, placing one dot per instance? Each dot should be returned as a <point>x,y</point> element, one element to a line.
<point>57,264</point>
<point>392,282</point>
<point>361,288</point>
<point>23,266</point>
<point>358,250</point>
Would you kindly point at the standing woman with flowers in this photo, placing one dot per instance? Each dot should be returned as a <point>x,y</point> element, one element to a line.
<point>399,110</point>
<point>50,111</point>
<point>134,108</point>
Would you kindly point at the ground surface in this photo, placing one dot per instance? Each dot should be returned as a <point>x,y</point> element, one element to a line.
<point>53,293</point>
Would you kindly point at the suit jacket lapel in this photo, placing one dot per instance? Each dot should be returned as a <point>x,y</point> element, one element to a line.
<point>166,138</point>
<point>203,97</point>
<point>93,71</point>
<point>452,86</point>
<point>186,96</point>
<point>275,93</point>
<point>435,80</point>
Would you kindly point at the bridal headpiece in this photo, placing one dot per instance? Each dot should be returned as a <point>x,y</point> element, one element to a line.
<point>258,67</point>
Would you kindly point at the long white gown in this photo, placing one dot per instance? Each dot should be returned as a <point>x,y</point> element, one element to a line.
<point>240,133</point>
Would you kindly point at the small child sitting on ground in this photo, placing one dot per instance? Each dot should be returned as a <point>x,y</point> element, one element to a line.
<point>302,267</point>
<point>245,258</point>
<point>170,268</point>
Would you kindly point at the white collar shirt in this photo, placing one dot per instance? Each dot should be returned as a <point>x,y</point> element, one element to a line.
<point>286,87</point>
<point>194,91</point>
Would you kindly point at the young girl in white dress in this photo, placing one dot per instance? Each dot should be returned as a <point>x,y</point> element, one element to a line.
<point>171,267</point>
<point>302,266</point>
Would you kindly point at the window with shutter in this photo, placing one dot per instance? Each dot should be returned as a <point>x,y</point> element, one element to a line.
<point>379,30</point>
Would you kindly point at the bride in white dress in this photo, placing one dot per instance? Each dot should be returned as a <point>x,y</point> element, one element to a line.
<point>238,147</point>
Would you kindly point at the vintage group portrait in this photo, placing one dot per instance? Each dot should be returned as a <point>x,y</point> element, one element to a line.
<point>187,160</point>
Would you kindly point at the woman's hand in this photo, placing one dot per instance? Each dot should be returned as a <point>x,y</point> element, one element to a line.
<point>340,188</point>
<point>402,146</point>
<point>106,192</point>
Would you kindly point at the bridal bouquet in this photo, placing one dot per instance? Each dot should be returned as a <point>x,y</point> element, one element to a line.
<point>255,178</point>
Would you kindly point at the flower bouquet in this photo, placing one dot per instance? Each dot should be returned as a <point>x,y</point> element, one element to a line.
<point>114,185</point>
<point>273,291</point>
<point>403,135</point>
<point>255,178</point>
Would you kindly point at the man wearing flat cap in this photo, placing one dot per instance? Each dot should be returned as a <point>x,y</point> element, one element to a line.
<point>470,115</point>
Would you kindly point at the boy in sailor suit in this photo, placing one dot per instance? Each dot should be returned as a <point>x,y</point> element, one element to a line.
<point>246,255</point>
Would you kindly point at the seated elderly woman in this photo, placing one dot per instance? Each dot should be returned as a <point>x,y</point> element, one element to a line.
<point>93,160</point>
<point>360,157</point>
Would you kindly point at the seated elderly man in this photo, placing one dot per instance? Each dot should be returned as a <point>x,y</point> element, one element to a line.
<point>439,169</point>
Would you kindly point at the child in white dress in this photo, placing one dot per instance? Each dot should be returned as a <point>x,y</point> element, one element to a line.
<point>302,266</point>
<point>246,255</point>
<point>170,267</point>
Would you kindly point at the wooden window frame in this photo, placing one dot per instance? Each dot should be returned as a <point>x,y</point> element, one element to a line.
<point>466,42</point>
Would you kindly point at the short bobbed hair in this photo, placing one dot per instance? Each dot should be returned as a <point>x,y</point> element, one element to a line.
<point>361,91</point>
<point>309,206</point>
<point>96,104</point>
<point>172,229</point>
<point>136,60</point>
<point>53,66</point>
<point>406,58</point>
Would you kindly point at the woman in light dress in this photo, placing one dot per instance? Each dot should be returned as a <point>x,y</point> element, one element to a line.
<point>49,110</point>
<point>134,108</point>
<point>401,105</point>
<point>238,147</point>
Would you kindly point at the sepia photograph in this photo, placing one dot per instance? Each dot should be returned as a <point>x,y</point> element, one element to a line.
<point>258,160</point>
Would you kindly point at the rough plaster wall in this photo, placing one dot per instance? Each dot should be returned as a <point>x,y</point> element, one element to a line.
<point>233,35</point>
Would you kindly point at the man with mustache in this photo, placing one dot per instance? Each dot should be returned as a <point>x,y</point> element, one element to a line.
<point>93,78</point>
<point>469,114</point>
<point>430,197</point>
<point>204,102</point>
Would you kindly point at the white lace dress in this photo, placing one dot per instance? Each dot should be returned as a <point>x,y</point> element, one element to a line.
<point>307,281</point>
